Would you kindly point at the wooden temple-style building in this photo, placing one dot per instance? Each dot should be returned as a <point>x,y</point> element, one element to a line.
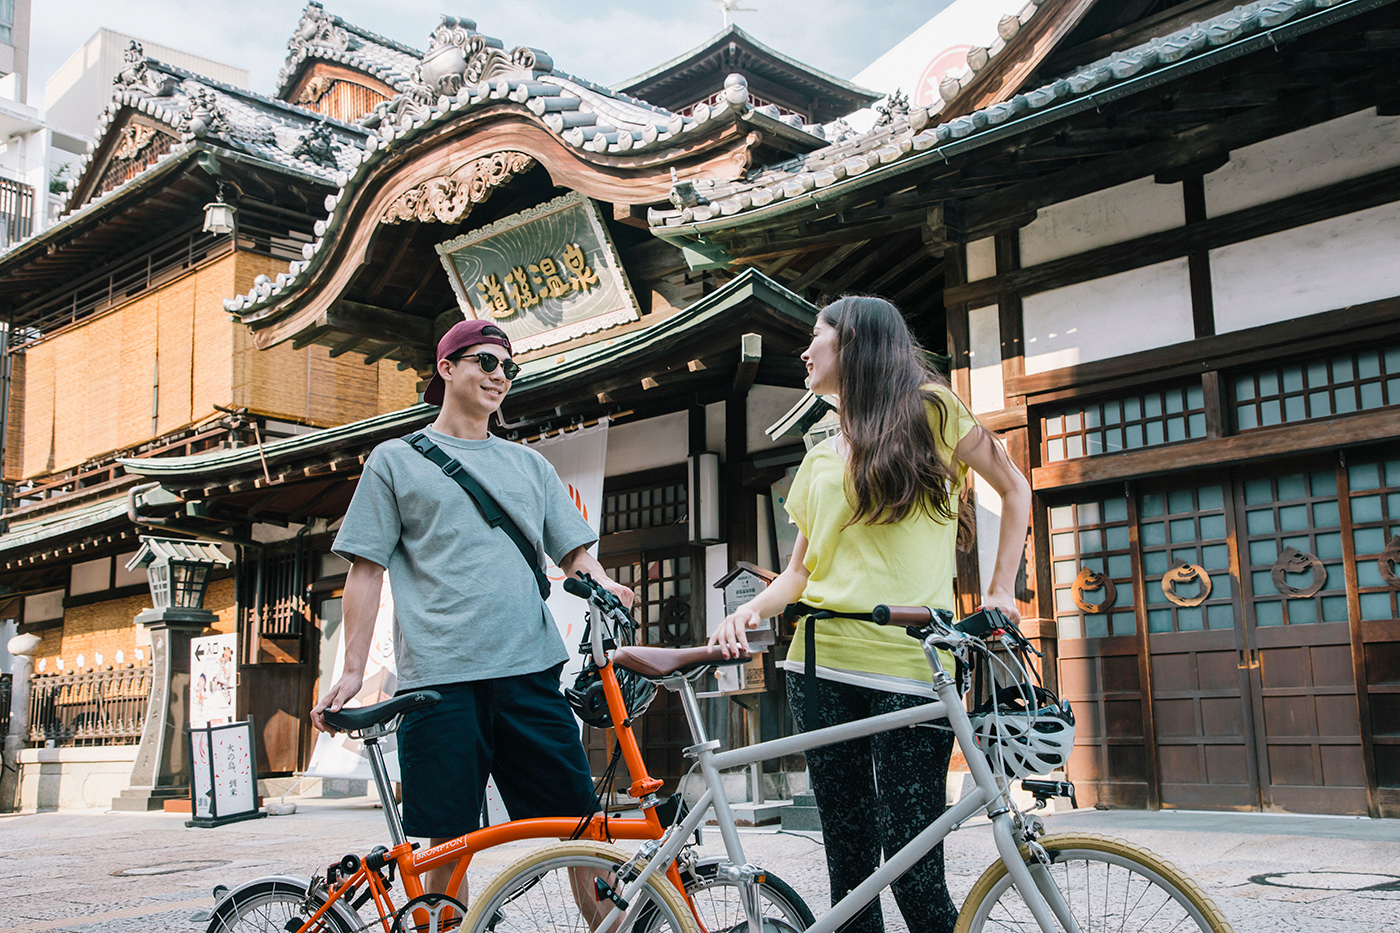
<point>1157,241</point>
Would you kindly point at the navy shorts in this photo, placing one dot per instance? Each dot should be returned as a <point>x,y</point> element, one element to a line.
<point>518,730</point>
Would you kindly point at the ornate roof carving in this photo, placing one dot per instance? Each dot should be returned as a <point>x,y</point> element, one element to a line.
<point>324,36</point>
<point>450,197</point>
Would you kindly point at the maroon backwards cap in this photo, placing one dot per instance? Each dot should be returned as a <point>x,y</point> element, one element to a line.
<point>458,338</point>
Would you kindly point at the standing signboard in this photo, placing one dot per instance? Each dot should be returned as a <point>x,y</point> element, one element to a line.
<point>213,680</point>
<point>224,779</point>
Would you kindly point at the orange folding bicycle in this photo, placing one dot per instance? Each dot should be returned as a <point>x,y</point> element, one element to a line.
<point>694,890</point>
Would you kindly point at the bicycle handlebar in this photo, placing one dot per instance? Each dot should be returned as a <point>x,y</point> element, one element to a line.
<point>585,587</point>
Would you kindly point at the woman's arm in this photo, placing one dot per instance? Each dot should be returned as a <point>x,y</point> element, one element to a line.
<point>732,634</point>
<point>979,450</point>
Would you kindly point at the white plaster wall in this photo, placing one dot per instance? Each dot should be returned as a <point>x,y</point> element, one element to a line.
<point>984,352</point>
<point>1136,310</point>
<point>1318,267</point>
<point>1347,147</point>
<point>766,404</point>
<point>1102,218</point>
<point>648,444</point>
<point>981,259</point>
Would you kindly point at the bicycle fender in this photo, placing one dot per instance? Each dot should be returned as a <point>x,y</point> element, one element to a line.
<point>288,883</point>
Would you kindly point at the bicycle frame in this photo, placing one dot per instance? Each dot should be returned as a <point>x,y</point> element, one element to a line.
<point>987,793</point>
<point>412,864</point>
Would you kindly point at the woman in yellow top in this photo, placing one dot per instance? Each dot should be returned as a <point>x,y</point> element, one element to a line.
<point>876,510</point>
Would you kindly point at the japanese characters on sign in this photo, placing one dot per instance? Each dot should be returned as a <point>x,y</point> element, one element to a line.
<point>546,275</point>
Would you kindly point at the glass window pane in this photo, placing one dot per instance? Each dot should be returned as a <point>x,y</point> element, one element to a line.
<point>1268,613</point>
<point>1319,404</point>
<point>1159,621</point>
<point>1368,541</point>
<point>1244,387</point>
<point>1221,616</point>
<point>1260,522</point>
<point>1175,403</point>
<point>1153,534</point>
<point>1062,545</point>
<point>1294,409</point>
<point>1190,619</point>
<point>1155,432</point>
<point>1096,626</point>
<point>1064,601</point>
<point>1152,405</point>
<point>1071,627</point>
<point>1155,595</point>
<point>1268,384</point>
<point>1293,379</point>
<point>1091,416</point>
<point>1365,508</point>
<point>1215,557</point>
<point>1132,409</point>
<point>1090,541</point>
<point>1342,370</point>
<point>1329,546</point>
<point>1055,425</point>
<point>1065,571</point>
<point>1072,422</point>
<point>1074,446</point>
<point>1183,530</point>
<point>1115,510</point>
<point>1132,437</point>
<point>1270,412</point>
<point>1324,482</point>
<point>1293,518</point>
<point>1372,396</point>
<point>1368,573</point>
<point>1155,563</point>
<point>1326,515</point>
<point>1120,567</point>
<point>1302,611</point>
<point>1212,526</point>
<point>1263,583</point>
<point>1087,512</point>
<point>1062,516</point>
<point>1334,609</point>
<point>1118,538</point>
<point>1196,425</point>
<point>1247,417</point>
<point>1257,491</point>
<point>1093,444</point>
<point>1364,475</point>
<point>1344,400</point>
<point>1195,397</point>
<point>1375,606</point>
<point>1184,554</point>
<point>1179,501</point>
<point>1150,505</point>
<point>1292,487</point>
<point>1111,413</point>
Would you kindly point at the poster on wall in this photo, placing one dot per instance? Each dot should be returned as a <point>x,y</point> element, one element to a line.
<point>339,756</point>
<point>224,784</point>
<point>213,680</point>
<point>544,276</point>
<point>579,457</point>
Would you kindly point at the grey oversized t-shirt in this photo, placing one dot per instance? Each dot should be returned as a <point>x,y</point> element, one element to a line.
<point>466,606</point>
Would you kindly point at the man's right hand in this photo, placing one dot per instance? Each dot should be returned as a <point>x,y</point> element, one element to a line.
<point>341,693</point>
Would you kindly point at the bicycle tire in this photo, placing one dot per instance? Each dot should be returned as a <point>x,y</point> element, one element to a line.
<point>534,894</point>
<point>719,908</point>
<point>269,907</point>
<point>1134,888</point>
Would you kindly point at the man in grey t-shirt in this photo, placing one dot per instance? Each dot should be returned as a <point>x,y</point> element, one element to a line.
<point>470,621</point>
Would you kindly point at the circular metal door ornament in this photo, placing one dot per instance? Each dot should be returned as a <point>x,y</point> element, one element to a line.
<point>1091,581</point>
<point>1389,560</point>
<point>1184,573</point>
<point>1295,561</point>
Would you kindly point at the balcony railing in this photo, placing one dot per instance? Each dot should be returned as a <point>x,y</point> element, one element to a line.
<point>91,707</point>
<point>16,212</point>
<point>5,694</point>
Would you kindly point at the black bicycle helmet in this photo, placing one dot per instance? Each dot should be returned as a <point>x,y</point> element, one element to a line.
<point>590,702</point>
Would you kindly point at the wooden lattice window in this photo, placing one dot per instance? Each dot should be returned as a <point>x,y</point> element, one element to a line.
<point>1163,416</point>
<point>1092,536</point>
<point>1186,526</point>
<point>281,599</point>
<point>662,578</point>
<point>1298,511</point>
<point>653,505</point>
<point>1375,520</point>
<point>1338,385</point>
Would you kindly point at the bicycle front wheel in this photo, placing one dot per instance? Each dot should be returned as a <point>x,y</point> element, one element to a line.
<point>552,890</point>
<point>720,907</point>
<point>1106,883</point>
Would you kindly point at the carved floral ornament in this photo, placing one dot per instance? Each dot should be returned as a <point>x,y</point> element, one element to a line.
<point>1090,581</point>
<point>1295,561</point>
<point>133,138</point>
<point>1186,574</point>
<point>448,198</point>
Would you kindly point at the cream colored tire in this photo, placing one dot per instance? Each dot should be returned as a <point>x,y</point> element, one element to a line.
<point>1108,884</point>
<point>534,895</point>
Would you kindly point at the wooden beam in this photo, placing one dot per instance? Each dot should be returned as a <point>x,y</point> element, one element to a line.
<point>1262,444</point>
<point>750,355</point>
<point>346,345</point>
<point>822,266</point>
<point>355,317</point>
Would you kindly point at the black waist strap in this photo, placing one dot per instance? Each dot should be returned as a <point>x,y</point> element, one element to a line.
<point>809,648</point>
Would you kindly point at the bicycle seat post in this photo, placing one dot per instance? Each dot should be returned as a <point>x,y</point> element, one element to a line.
<point>381,783</point>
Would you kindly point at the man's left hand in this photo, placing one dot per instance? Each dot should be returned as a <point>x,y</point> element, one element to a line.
<point>621,591</point>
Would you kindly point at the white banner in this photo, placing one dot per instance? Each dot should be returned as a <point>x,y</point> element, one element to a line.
<point>213,674</point>
<point>339,756</point>
<point>579,458</point>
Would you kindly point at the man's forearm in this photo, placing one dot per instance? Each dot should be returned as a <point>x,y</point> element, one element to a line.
<point>359,609</point>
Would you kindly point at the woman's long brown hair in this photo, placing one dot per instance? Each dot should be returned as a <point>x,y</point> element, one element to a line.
<point>896,466</point>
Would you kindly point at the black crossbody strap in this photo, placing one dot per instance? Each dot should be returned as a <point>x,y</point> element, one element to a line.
<point>809,650</point>
<point>495,516</point>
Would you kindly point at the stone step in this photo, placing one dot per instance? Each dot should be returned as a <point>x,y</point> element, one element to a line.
<point>804,800</point>
<point>759,814</point>
<point>802,815</point>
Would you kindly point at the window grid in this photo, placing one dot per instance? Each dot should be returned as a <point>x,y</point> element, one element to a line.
<point>1300,511</point>
<point>664,590</point>
<point>1375,518</point>
<point>1347,382</point>
<point>1092,535</point>
<point>1186,525</point>
<point>1108,426</point>
<point>653,507</point>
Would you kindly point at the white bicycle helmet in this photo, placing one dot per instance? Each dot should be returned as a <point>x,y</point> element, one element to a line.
<point>1025,739</point>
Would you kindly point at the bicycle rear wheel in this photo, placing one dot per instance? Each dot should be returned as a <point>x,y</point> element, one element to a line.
<point>274,906</point>
<point>1107,884</point>
<point>541,893</point>
<point>720,908</point>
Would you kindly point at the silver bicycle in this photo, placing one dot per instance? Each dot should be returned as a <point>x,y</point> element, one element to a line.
<point>1076,882</point>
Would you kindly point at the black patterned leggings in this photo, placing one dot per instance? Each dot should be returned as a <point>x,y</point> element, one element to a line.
<point>875,794</point>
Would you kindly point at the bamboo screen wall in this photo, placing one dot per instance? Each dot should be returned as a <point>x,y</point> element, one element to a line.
<point>89,390</point>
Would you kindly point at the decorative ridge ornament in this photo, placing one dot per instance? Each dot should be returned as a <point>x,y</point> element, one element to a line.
<point>448,198</point>
<point>319,28</point>
<point>1090,580</point>
<point>138,77</point>
<point>318,145</point>
<point>1295,561</point>
<point>458,55</point>
<point>1186,573</point>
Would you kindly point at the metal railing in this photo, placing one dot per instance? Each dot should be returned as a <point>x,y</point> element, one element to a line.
<point>16,211</point>
<point>6,682</point>
<point>91,707</point>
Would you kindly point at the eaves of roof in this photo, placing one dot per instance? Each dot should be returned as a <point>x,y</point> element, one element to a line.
<point>911,143</point>
<point>23,535</point>
<point>715,42</point>
<point>535,376</point>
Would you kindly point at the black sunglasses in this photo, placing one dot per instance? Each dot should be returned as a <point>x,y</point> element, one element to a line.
<point>488,361</point>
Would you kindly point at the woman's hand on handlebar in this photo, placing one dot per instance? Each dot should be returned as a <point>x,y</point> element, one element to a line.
<point>1004,604</point>
<point>732,634</point>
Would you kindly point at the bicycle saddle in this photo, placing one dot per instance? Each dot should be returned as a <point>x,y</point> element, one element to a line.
<point>655,663</point>
<point>365,717</point>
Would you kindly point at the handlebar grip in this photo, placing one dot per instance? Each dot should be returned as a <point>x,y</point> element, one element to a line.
<point>576,587</point>
<point>908,616</point>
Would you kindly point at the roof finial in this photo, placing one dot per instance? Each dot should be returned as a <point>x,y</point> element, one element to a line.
<point>732,6</point>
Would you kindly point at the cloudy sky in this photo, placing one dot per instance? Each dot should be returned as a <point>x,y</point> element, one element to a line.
<point>603,40</point>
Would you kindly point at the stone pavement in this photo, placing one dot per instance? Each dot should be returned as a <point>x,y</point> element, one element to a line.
<point>92,871</point>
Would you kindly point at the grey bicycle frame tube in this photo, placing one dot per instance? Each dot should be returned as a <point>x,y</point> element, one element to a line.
<point>987,790</point>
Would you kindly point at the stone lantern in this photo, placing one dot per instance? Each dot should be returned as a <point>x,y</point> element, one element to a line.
<point>179,574</point>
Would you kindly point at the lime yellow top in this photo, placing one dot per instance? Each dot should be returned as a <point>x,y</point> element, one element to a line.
<point>857,567</point>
